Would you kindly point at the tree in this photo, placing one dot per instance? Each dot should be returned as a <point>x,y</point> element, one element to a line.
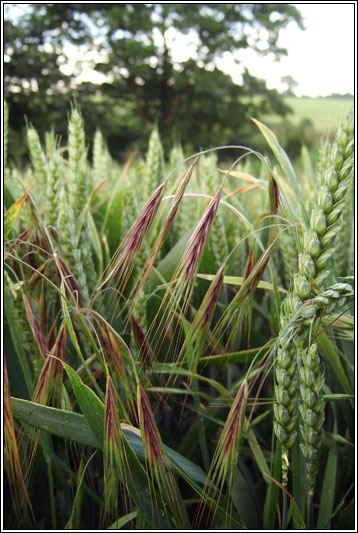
<point>291,85</point>
<point>147,81</point>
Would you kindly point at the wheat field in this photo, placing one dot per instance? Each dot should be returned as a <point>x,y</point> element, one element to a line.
<point>178,336</point>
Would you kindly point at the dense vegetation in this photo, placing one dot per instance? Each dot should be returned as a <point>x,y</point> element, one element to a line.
<point>178,337</point>
<point>144,79</point>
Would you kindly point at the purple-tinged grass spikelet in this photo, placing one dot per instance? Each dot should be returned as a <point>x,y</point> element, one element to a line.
<point>156,458</point>
<point>12,462</point>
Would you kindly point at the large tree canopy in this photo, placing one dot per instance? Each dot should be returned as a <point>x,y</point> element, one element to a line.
<point>161,63</point>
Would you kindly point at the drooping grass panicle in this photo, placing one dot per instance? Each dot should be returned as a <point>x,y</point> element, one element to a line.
<point>73,289</point>
<point>35,328</point>
<point>145,350</point>
<point>178,293</point>
<point>115,471</point>
<point>231,319</point>
<point>164,231</point>
<point>194,249</point>
<point>157,461</point>
<point>225,460</point>
<point>196,338</point>
<point>123,261</point>
<point>121,366</point>
<point>49,384</point>
<point>12,462</point>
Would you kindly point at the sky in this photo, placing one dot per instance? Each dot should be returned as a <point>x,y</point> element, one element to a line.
<point>320,58</point>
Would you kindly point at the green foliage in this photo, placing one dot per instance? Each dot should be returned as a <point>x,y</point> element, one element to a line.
<point>189,97</point>
<point>170,393</point>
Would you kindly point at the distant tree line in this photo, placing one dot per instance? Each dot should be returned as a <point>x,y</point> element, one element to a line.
<point>189,98</point>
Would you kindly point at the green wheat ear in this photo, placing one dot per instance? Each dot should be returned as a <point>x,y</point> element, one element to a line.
<point>208,174</point>
<point>38,161</point>
<point>155,163</point>
<point>312,412</point>
<point>318,246</point>
<point>101,158</point>
<point>54,183</point>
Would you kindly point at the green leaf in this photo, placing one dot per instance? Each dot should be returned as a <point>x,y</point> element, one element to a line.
<point>73,337</point>
<point>12,213</point>
<point>328,490</point>
<point>65,424</point>
<point>347,518</point>
<point>91,406</point>
<point>327,348</point>
<point>113,219</point>
<point>8,197</point>
<point>96,243</point>
<point>256,450</point>
<point>238,280</point>
<point>299,483</point>
<point>245,501</point>
<point>75,427</point>
<point>142,492</point>
<point>273,490</point>
<point>19,349</point>
<point>243,356</point>
<point>118,524</point>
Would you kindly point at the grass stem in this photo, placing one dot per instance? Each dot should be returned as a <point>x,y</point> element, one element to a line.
<point>310,518</point>
<point>284,511</point>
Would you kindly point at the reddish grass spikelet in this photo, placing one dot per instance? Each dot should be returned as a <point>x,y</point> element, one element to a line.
<point>157,461</point>
<point>145,350</point>
<point>110,349</point>
<point>113,467</point>
<point>48,388</point>
<point>181,286</point>
<point>20,240</point>
<point>224,463</point>
<point>35,328</point>
<point>197,241</point>
<point>71,284</point>
<point>274,195</point>
<point>149,429</point>
<point>43,311</point>
<point>210,300</point>
<point>249,264</point>
<point>125,255</point>
<point>237,308</point>
<point>111,415</point>
<point>121,365</point>
<point>196,337</point>
<point>164,229</point>
<point>12,461</point>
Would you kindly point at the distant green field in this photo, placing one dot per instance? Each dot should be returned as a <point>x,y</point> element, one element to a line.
<point>324,112</point>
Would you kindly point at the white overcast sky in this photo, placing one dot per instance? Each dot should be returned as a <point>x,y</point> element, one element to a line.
<point>320,58</point>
